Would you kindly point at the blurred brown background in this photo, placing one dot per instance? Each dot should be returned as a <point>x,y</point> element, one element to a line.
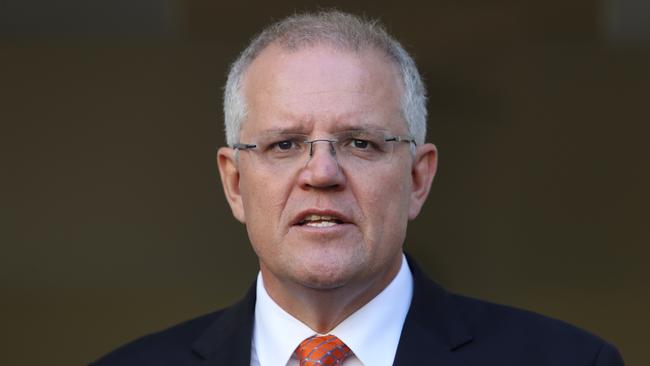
<point>113,223</point>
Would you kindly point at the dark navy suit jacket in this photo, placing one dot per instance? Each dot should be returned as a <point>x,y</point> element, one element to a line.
<point>441,329</point>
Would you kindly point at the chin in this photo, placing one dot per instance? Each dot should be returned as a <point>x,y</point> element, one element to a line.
<point>326,278</point>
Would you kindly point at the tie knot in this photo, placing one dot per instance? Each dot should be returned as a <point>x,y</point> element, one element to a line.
<point>322,350</point>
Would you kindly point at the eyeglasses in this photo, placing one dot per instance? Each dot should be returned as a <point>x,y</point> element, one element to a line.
<point>354,149</point>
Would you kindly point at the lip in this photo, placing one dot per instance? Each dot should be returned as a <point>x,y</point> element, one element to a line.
<point>321,212</point>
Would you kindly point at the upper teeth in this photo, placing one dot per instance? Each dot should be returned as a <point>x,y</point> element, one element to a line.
<point>319,218</point>
<point>320,224</point>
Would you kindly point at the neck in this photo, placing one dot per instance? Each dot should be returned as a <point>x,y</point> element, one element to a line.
<point>323,309</point>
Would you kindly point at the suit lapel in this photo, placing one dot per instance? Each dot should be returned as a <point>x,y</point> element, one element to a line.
<point>228,340</point>
<point>433,328</point>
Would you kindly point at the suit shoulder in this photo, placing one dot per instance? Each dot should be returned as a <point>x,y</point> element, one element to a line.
<point>485,315</point>
<point>171,346</point>
<point>502,327</point>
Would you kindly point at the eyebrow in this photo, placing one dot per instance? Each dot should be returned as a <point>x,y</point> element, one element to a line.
<point>284,131</point>
<point>360,128</point>
<point>342,128</point>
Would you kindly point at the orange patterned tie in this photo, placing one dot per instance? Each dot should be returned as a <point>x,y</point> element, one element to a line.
<point>323,350</point>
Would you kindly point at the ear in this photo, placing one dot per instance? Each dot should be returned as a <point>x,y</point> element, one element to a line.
<point>422,173</point>
<point>229,172</point>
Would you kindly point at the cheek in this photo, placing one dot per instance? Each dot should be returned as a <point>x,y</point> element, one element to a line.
<point>392,190</point>
<point>264,199</point>
<point>385,201</point>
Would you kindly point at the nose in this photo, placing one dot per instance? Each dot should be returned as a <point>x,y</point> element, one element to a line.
<point>322,169</point>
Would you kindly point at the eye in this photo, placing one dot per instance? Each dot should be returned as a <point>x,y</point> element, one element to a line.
<point>360,144</point>
<point>284,145</point>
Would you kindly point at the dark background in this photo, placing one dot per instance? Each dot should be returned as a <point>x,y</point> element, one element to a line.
<point>113,222</point>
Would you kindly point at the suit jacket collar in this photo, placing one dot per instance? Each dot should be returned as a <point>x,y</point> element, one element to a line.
<point>433,329</point>
<point>228,340</point>
<point>434,326</point>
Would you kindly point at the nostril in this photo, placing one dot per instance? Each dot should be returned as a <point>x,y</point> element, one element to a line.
<point>323,172</point>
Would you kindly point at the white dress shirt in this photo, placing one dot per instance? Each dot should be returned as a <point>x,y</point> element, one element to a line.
<point>372,332</point>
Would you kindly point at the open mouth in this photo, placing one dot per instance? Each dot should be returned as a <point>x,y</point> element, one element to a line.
<point>319,221</point>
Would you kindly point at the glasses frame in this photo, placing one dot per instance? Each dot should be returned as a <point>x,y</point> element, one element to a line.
<point>397,138</point>
<point>333,150</point>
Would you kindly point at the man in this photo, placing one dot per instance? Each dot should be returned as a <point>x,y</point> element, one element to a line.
<point>327,162</point>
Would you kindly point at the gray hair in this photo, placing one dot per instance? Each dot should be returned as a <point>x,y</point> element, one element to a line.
<point>341,30</point>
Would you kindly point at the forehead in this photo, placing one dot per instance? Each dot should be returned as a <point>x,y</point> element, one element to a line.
<point>321,87</point>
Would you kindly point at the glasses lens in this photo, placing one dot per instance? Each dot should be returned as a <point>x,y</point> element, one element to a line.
<point>357,149</point>
<point>282,149</point>
<point>362,147</point>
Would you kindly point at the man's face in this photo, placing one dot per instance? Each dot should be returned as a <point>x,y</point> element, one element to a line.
<point>320,91</point>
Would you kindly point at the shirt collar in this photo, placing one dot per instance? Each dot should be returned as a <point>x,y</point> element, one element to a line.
<point>372,332</point>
